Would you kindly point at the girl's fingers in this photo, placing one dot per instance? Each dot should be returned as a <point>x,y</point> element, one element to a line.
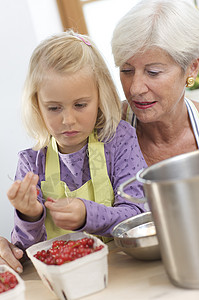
<point>35,179</point>
<point>26,183</point>
<point>33,194</point>
<point>29,180</point>
<point>68,213</point>
<point>23,195</point>
<point>20,188</point>
<point>57,205</point>
<point>12,192</point>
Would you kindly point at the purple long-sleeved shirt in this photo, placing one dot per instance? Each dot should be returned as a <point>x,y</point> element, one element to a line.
<point>124,159</point>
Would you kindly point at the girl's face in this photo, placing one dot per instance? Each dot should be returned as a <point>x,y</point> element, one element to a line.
<point>69,107</point>
<point>153,85</point>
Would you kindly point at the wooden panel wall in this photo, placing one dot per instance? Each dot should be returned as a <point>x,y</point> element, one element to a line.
<point>72,16</point>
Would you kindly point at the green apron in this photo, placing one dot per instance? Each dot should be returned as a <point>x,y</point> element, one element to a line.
<point>98,188</point>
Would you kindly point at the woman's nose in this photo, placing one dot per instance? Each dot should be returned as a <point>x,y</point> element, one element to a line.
<point>138,85</point>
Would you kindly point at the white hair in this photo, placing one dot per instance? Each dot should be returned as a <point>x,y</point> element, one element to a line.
<point>171,25</point>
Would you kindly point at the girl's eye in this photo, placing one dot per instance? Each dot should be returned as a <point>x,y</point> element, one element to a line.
<point>127,71</point>
<point>80,105</point>
<point>53,108</point>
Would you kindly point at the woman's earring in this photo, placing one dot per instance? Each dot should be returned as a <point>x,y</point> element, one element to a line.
<point>190,81</point>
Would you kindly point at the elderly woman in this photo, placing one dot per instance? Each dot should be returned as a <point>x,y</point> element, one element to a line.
<point>156,47</point>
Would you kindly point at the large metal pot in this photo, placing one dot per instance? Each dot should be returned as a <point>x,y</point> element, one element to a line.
<point>171,188</point>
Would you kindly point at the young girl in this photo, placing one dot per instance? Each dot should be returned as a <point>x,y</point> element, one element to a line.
<point>83,151</point>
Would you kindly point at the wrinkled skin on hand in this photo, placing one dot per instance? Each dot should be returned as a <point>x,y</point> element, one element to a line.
<point>10,255</point>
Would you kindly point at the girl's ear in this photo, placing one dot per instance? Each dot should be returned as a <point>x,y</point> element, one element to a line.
<point>194,68</point>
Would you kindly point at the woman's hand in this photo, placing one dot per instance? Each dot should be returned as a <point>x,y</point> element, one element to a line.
<point>23,196</point>
<point>67,213</point>
<point>10,255</point>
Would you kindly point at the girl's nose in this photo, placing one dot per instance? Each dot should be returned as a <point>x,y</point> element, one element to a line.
<point>68,117</point>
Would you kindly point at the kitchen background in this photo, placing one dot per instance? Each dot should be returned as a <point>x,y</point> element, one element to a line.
<point>23,24</point>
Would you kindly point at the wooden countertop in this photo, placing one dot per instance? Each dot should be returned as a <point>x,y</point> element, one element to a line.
<point>128,279</point>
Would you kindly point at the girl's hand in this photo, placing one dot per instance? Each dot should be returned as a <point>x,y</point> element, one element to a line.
<point>10,255</point>
<point>67,213</point>
<point>23,196</point>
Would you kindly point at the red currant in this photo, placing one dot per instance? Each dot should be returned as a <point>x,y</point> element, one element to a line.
<point>66,251</point>
<point>7,281</point>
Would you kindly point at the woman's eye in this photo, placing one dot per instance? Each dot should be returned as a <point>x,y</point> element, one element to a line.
<point>153,73</point>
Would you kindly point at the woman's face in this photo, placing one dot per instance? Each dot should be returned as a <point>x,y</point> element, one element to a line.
<point>153,84</point>
<point>69,107</point>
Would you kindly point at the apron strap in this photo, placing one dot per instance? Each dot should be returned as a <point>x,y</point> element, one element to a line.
<point>98,171</point>
<point>194,118</point>
<point>52,168</point>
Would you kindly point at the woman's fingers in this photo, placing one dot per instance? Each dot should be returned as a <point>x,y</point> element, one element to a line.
<point>10,255</point>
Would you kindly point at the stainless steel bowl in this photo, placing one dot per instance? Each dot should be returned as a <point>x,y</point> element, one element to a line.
<point>137,237</point>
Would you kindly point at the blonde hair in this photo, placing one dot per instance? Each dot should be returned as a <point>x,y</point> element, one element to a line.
<point>170,25</point>
<point>67,53</point>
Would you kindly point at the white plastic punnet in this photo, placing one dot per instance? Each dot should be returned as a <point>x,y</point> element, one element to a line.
<point>75,279</point>
<point>18,292</point>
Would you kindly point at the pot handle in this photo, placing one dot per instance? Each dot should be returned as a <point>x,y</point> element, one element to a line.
<point>121,192</point>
